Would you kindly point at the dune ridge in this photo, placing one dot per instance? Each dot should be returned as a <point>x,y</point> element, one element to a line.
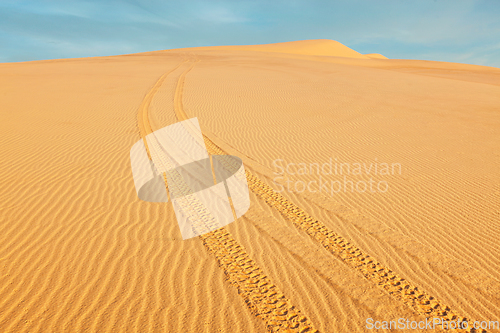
<point>262,109</point>
<point>375,56</point>
<point>313,47</point>
<point>80,252</point>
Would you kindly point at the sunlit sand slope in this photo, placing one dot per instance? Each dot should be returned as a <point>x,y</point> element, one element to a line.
<point>438,222</point>
<point>375,56</point>
<point>79,252</point>
<point>316,47</point>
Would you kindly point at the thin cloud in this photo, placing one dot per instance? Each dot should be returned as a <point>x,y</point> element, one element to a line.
<point>221,15</point>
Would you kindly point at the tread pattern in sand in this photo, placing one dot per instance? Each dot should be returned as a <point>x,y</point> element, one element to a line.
<point>401,289</point>
<point>263,298</point>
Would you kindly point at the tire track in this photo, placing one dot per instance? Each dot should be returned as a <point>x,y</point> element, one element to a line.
<point>142,115</point>
<point>262,297</point>
<point>400,288</point>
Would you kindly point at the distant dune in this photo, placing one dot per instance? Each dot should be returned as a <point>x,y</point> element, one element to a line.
<point>317,47</point>
<point>79,252</point>
<point>375,56</point>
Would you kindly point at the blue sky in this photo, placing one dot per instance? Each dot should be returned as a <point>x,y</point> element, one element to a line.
<point>459,31</point>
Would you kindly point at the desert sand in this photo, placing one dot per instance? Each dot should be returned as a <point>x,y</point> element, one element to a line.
<point>79,252</point>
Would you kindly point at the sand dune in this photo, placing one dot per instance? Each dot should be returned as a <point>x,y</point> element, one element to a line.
<point>79,252</point>
<point>375,56</point>
<point>315,47</point>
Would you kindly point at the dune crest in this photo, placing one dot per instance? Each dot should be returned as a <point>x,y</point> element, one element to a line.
<point>321,47</point>
<point>376,56</point>
<point>320,250</point>
<point>315,47</point>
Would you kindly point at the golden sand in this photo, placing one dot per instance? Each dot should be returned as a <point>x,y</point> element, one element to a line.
<point>80,253</point>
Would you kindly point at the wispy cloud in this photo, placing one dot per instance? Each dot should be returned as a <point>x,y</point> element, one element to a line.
<point>221,15</point>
